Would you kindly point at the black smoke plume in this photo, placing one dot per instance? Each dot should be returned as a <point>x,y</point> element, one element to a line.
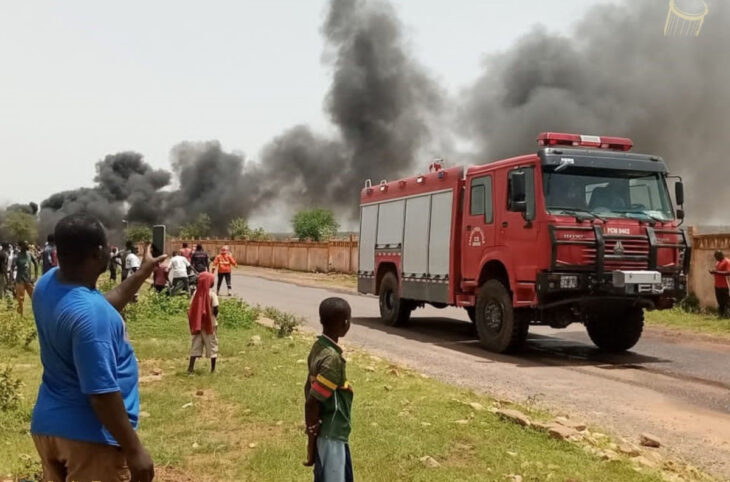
<point>381,101</point>
<point>617,74</point>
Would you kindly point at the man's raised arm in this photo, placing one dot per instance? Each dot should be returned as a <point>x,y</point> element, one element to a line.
<point>125,291</point>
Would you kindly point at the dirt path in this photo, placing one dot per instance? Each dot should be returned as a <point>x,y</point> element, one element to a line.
<point>677,391</point>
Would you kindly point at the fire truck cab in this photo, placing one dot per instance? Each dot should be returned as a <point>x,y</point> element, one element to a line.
<point>580,231</point>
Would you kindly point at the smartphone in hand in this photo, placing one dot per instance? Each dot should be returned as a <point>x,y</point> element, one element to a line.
<point>158,240</point>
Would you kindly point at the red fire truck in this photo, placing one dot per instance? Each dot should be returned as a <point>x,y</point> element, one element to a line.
<point>580,231</point>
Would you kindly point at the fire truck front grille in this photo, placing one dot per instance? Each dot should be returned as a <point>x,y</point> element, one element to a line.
<point>620,253</point>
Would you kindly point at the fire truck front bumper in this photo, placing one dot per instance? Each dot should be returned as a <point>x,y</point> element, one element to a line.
<point>562,287</point>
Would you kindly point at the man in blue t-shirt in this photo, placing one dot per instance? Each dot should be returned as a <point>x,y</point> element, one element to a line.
<point>85,417</point>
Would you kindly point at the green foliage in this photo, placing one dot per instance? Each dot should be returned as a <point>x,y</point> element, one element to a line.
<point>9,390</point>
<point>238,229</point>
<point>138,234</point>
<point>690,304</point>
<point>234,313</point>
<point>20,226</point>
<point>199,228</point>
<point>317,224</point>
<point>16,330</point>
<point>284,322</point>
<point>153,305</point>
<point>259,234</point>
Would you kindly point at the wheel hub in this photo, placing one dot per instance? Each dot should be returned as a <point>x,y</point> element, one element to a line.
<point>493,316</point>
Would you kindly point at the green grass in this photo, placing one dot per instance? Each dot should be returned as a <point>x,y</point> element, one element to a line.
<point>247,425</point>
<point>677,319</point>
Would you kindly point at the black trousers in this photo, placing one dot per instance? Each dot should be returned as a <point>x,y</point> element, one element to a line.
<point>227,276</point>
<point>180,285</point>
<point>723,298</point>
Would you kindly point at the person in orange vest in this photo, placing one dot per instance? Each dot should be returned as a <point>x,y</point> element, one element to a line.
<point>223,263</point>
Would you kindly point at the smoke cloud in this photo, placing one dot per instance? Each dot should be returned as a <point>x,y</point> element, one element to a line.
<point>616,74</point>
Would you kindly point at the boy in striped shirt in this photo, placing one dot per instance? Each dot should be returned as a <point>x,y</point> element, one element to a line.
<point>329,398</point>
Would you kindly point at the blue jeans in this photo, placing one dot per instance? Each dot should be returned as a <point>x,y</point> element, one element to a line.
<point>333,462</point>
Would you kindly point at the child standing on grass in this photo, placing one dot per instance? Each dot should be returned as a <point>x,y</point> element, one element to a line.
<point>329,398</point>
<point>202,318</point>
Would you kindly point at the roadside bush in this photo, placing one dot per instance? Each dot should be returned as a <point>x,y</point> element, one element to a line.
<point>16,330</point>
<point>285,323</point>
<point>690,304</point>
<point>9,390</point>
<point>152,305</point>
<point>234,313</point>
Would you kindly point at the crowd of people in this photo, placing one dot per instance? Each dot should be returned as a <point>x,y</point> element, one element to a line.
<point>85,417</point>
<point>19,268</point>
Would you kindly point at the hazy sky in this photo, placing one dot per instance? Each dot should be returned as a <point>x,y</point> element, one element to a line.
<point>81,79</point>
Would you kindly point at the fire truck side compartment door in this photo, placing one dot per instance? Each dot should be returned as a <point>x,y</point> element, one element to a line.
<point>415,242</point>
<point>439,249</point>
<point>390,224</point>
<point>368,230</point>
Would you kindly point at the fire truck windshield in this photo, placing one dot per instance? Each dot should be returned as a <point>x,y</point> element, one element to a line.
<point>607,193</point>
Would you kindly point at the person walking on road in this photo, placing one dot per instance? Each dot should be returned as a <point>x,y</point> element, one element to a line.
<point>224,262</point>
<point>199,259</point>
<point>23,279</point>
<point>178,267</point>
<point>722,289</point>
<point>49,257</point>
<point>85,416</point>
<point>202,320</point>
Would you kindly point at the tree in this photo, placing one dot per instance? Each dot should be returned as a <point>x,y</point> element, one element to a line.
<point>238,229</point>
<point>200,228</point>
<point>20,226</point>
<point>259,234</point>
<point>317,224</point>
<point>138,234</point>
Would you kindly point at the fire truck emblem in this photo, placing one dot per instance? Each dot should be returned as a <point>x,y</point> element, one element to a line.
<point>476,238</point>
<point>618,249</point>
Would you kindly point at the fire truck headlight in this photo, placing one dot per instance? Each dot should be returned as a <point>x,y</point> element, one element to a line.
<point>568,281</point>
<point>668,283</point>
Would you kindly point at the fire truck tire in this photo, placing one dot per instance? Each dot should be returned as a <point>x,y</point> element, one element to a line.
<point>616,330</point>
<point>500,328</point>
<point>394,310</point>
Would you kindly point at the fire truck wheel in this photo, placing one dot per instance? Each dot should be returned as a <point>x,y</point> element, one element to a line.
<point>394,310</point>
<point>499,327</point>
<point>616,330</point>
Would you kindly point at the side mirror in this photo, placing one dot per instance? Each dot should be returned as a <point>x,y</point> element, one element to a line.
<point>680,214</point>
<point>679,193</point>
<point>517,191</point>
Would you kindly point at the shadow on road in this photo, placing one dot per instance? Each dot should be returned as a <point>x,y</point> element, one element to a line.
<point>540,350</point>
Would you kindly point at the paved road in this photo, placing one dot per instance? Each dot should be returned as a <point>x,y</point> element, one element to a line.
<point>679,391</point>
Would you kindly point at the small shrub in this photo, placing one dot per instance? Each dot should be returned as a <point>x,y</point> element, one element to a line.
<point>16,330</point>
<point>9,390</point>
<point>234,313</point>
<point>285,323</point>
<point>152,305</point>
<point>690,304</point>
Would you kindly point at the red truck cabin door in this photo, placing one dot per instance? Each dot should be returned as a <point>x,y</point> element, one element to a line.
<point>478,227</point>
